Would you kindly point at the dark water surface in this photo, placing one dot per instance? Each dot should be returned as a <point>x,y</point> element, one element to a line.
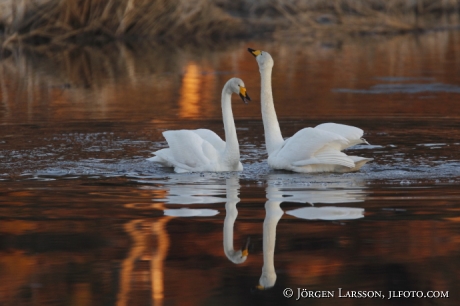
<point>86,220</point>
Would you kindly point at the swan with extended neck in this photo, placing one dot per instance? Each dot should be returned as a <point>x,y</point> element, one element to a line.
<point>310,150</point>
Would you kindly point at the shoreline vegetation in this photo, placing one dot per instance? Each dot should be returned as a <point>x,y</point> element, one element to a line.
<point>62,23</point>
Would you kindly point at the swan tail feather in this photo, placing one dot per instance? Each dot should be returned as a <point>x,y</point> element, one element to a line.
<point>359,161</point>
<point>181,170</point>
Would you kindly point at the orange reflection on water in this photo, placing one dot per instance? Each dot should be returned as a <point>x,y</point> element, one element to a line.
<point>144,250</point>
<point>195,92</point>
<point>330,81</point>
<point>158,257</point>
<point>17,267</point>
<point>190,92</point>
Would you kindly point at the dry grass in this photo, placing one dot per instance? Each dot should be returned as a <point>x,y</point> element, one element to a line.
<point>325,18</point>
<point>60,22</point>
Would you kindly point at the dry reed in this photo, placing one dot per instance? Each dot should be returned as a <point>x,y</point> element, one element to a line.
<point>97,21</point>
<point>325,18</point>
<point>60,22</point>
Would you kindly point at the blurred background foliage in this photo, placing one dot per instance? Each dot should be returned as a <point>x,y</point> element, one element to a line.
<point>58,23</point>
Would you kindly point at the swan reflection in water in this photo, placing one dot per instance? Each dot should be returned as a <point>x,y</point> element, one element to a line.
<point>193,194</point>
<point>189,189</point>
<point>231,213</point>
<point>273,213</point>
<point>189,193</point>
<point>179,190</point>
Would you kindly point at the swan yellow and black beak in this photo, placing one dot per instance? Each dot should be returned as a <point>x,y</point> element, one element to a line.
<point>254,52</point>
<point>244,95</point>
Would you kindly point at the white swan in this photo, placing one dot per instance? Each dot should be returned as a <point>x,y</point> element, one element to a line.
<point>203,150</point>
<point>310,149</point>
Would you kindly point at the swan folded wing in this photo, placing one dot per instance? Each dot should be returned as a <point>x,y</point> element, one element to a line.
<point>358,159</point>
<point>189,150</point>
<point>212,138</point>
<point>359,162</point>
<point>307,143</point>
<point>352,134</point>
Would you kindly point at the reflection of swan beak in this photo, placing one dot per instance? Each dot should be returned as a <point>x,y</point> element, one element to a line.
<point>245,251</point>
<point>261,288</point>
<point>254,52</point>
<point>244,95</point>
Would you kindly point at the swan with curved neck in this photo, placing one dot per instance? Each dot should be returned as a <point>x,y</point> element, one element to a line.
<point>310,150</point>
<point>203,150</point>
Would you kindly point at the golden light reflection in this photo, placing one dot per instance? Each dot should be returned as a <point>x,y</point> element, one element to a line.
<point>17,227</point>
<point>82,294</point>
<point>16,268</point>
<point>158,256</point>
<point>142,233</point>
<point>190,92</point>
<point>195,92</point>
<point>119,83</point>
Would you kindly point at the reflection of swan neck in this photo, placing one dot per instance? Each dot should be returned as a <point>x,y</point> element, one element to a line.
<point>232,149</point>
<point>231,213</point>
<point>273,215</point>
<point>273,137</point>
<point>230,217</point>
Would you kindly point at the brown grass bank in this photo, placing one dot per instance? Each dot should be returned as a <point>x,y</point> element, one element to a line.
<point>60,22</point>
<point>63,22</point>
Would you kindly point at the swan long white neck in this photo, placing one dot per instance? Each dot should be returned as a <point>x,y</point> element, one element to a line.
<point>273,137</point>
<point>232,148</point>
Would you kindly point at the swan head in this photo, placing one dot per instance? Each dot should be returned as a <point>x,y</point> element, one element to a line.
<point>263,58</point>
<point>236,85</point>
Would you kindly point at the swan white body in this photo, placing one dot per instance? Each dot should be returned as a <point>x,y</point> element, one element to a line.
<point>310,150</point>
<point>203,150</point>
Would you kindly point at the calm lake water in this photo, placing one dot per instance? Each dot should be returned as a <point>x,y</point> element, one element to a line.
<point>86,220</point>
